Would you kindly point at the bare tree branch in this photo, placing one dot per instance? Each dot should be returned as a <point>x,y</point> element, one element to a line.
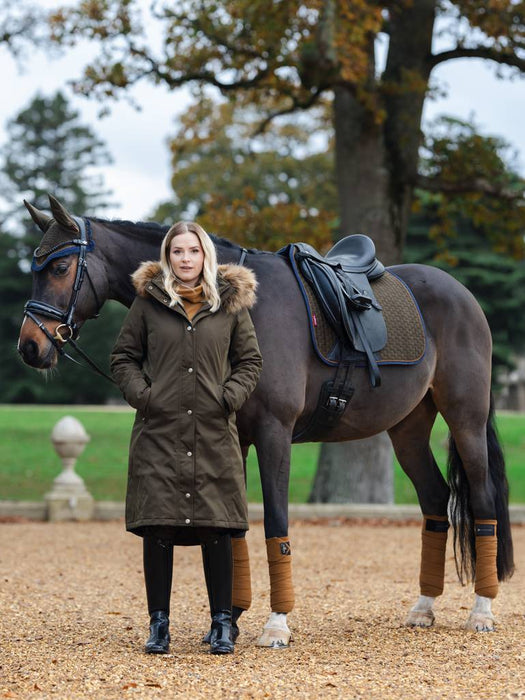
<point>296,105</point>
<point>507,59</point>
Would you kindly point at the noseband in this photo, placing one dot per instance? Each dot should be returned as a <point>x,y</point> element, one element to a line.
<point>67,330</point>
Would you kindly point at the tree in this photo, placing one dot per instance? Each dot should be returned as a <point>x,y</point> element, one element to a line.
<point>475,236</point>
<point>22,25</point>
<point>48,150</point>
<point>260,193</point>
<point>496,279</point>
<point>282,58</point>
<point>286,57</point>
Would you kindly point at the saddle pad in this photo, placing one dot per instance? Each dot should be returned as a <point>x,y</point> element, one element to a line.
<point>406,342</point>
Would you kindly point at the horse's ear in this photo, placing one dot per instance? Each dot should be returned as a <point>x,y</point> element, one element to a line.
<point>41,220</point>
<point>61,214</point>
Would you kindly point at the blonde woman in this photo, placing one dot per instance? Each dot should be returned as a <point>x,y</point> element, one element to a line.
<point>187,358</point>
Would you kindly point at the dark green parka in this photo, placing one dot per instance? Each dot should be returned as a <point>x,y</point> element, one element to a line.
<point>186,380</point>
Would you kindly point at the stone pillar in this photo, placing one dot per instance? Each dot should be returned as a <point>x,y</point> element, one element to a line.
<point>69,499</point>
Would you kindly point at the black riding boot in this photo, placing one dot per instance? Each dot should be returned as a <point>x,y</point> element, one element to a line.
<point>236,612</point>
<point>218,569</point>
<point>159,633</point>
<point>158,571</point>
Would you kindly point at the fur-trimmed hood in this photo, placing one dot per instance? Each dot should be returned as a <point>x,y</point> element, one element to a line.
<point>237,284</point>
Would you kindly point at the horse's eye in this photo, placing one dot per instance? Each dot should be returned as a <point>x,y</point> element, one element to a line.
<point>61,269</point>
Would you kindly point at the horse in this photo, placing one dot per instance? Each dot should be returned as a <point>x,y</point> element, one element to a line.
<point>452,378</point>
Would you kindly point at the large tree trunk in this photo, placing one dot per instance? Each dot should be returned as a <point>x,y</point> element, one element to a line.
<point>367,478</point>
<point>363,178</point>
<point>376,166</point>
<point>359,471</point>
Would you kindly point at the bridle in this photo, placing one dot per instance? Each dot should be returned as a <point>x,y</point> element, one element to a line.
<point>67,330</point>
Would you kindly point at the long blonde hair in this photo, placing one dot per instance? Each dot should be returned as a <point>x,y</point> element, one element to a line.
<point>209,269</point>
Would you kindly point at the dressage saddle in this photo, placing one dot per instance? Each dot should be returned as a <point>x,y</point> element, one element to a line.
<point>341,283</point>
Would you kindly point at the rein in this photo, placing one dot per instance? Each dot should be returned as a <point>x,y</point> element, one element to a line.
<point>67,329</point>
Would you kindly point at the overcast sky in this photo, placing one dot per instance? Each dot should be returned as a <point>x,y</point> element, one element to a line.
<point>140,173</point>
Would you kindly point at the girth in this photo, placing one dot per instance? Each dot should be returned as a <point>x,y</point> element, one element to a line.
<point>340,281</point>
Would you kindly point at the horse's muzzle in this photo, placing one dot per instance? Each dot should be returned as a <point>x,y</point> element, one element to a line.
<point>35,356</point>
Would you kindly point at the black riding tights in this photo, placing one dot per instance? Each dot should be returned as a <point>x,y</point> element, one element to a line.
<point>158,572</point>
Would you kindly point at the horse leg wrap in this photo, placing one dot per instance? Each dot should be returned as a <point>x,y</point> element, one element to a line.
<point>279,553</point>
<point>433,548</point>
<point>486,558</point>
<point>242,584</point>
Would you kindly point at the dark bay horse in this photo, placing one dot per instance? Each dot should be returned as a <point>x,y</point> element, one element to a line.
<point>453,378</point>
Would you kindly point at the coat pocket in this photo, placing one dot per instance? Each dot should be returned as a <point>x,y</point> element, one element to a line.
<point>219,397</point>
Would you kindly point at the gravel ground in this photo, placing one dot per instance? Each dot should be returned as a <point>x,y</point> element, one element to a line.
<point>73,621</point>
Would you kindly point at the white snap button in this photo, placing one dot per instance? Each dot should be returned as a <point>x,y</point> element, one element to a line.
<point>189,454</point>
<point>190,412</point>
<point>187,521</point>
<point>190,370</point>
<point>188,495</point>
<point>188,328</point>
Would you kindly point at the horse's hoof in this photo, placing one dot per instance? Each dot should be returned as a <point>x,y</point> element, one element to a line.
<point>480,622</point>
<point>420,618</point>
<point>274,638</point>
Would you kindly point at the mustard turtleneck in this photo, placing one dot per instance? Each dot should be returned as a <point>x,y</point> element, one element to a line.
<point>192,299</point>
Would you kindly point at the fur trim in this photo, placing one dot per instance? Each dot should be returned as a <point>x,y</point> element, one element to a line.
<point>146,272</point>
<point>243,283</point>
<point>240,291</point>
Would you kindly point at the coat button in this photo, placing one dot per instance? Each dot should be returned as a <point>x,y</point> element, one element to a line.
<point>190,412</point>
<point>190,369</point>
<point>188,328</point>
<point>189,454</point>
<point>188,495</point>
<point>187,521</point>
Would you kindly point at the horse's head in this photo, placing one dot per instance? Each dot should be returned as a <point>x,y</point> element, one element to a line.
<point>61,300</point>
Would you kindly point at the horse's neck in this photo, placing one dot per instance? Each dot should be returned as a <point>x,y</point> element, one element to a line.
<point>122,247</point>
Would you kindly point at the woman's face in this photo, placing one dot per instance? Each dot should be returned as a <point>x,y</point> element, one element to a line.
<point>187,258</point>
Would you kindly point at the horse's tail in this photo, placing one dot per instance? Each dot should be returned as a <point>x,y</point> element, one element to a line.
<point>461,511</point>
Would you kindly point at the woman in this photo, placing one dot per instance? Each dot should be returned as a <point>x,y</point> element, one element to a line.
<point>187,358</point>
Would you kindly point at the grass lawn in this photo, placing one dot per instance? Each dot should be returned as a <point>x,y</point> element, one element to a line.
<point>28,462</point>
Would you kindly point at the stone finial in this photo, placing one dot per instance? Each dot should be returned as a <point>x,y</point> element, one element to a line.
<point>69,498</point>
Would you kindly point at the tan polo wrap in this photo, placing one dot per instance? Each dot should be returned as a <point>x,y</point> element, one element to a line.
<point>433,550</point>
<point>279,553</point>
<point>242,583</point>
<point>486,558</point>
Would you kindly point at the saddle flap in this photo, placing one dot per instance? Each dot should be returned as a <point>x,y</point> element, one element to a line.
<point>348,302</point>
<point>340,282</point>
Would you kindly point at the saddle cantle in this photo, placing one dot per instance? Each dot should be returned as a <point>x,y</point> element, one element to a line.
<point>341,283</point>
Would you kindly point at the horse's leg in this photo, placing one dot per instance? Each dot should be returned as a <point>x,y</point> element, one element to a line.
<point>470,448</point>
<point>242,584</point>
<point>480,495</point>
<point>410,439</point>
<point>273,444</point>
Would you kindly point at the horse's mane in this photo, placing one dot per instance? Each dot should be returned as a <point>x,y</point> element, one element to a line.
<point>142,229</point>
<point>136,229</point>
